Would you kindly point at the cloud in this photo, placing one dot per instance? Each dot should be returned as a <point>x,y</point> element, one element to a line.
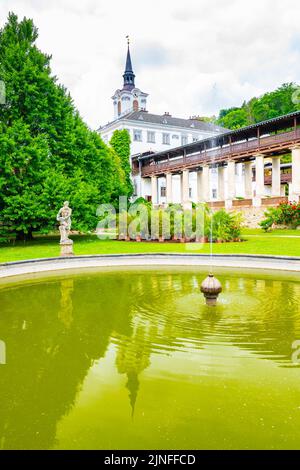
<point>192,58</point>
<point>151,55</point>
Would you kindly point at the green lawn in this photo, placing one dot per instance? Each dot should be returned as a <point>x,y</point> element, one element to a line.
<point>279,242</point>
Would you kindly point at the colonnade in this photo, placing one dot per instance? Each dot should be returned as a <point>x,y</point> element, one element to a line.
<point>226,187</point>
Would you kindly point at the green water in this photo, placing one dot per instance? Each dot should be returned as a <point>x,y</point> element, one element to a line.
<point>127,359</point>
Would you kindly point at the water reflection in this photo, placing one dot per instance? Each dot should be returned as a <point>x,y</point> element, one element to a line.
<point>72,321</point>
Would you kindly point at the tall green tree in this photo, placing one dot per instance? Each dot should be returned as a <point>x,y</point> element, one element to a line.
<point>47,153</point>
<point>120,142</point>
<point>273,104</point>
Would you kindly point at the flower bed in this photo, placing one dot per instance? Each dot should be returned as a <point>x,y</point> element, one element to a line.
<point>173,223</point>
<point>286,214</point>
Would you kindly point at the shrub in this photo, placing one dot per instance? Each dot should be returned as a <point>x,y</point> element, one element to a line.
<point>287,213</point>
<point>226,225</point>
<point>175,222</point>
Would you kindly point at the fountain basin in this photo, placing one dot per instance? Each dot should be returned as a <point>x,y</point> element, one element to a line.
<point>257,262</point>
<point>137,349</point>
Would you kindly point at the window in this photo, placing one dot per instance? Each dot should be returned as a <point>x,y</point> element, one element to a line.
<point>184,140</point>
<point>135,105</point>
<point>166,139</point>
<point>163,191</point>
<point>195,139</point>
<point>214,193</point>
<point>190,193</point>
<point>137,135</point>
<point>151,137</point>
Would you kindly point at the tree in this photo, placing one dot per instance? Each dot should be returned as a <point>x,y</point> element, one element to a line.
<point>234,119</point>
<point>47,153</point>
<point>120,142</point>
<point>270,105</point>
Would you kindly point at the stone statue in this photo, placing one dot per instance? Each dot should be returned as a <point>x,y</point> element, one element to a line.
<point>64,219</point>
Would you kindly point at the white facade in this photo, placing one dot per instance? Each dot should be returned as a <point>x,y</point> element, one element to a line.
<point>153,137</point>
<point>154,133</point>
<point>127,100</point>
<point>145,189</point>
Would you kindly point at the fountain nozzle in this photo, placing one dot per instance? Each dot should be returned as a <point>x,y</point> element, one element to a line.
<point>211,288</point>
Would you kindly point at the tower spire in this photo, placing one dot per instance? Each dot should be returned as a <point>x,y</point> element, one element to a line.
<point>128,74</point>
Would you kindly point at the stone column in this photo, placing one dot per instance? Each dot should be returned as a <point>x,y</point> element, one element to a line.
<point>154,195</point>
<point>230,183</point>
<point>295,194</point>
<point>276,177</point>
<point>248,180</point>
<point>259,179</point>
<point>185,188</point>
<point>169,194</point>
<point>221,183</point>
<point>203,184</point>
<point>199,186</point>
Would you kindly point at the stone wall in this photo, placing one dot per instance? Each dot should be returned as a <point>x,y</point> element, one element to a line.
<point>252,215</point>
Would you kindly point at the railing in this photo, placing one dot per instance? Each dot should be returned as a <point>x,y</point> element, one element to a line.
<point>216,204</point>
<point>273,201</point>
<point>242,149</point>
<point>285,178</point>
<point>241,202</point>
<point>268,201</point>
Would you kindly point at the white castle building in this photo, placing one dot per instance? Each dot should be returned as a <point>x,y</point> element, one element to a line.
<point>153,133</point>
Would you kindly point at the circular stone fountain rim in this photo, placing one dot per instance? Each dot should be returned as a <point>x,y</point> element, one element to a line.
<point>238,261</point>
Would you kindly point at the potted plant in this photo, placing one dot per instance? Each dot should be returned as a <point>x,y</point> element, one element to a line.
<point>203,223</point>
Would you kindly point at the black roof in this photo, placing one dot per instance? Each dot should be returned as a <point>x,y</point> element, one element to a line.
<point>166,119</point>
<point>128,75</point>
<point>128,66</point>
<point>264,127</point>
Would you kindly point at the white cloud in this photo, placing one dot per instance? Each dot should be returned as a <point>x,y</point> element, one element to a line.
<point>192,57</point>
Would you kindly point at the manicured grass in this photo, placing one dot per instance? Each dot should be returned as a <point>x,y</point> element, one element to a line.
<point>279,242</point>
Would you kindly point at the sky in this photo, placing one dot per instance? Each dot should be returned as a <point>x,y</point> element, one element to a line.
<point>193,57</point>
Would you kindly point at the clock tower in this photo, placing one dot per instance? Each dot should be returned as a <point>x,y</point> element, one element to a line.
<point>129,98</point>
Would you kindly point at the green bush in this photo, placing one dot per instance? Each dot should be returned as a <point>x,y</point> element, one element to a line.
<point>174,222</point>
<point>226,225</point>
<point>287,213</point>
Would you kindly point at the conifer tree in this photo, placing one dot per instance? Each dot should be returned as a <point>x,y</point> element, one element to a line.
<point>120,142</point>
<point>47,153</point>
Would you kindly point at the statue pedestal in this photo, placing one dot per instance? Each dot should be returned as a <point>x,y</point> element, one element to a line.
<point>66,248</point>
